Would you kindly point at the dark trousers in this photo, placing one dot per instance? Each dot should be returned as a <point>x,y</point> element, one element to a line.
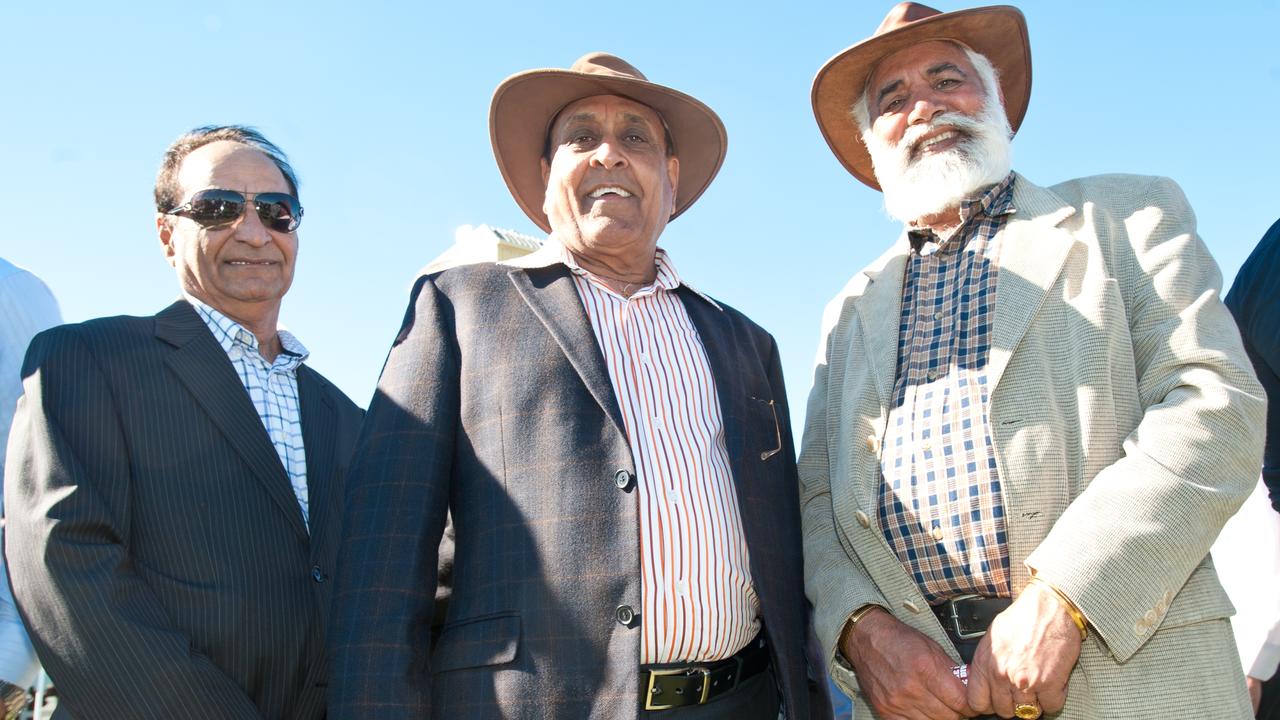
<point>755,699</point>
<point>1269,708</point>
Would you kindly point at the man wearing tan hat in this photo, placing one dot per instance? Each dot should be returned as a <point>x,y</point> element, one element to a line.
<point>1030,416</point>
<point>612,444</point>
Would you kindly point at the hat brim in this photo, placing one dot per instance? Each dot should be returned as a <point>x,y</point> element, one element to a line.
<point>998,32</point>
<point>525,104</point>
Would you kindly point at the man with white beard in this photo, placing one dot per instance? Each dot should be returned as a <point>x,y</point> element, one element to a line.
<point>1030,417</point>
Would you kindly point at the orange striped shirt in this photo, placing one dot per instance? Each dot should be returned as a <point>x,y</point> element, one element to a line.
<point>699,603</point>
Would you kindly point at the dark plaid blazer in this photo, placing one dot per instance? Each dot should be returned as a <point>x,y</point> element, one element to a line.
<point>155,545</point>
<point>495,404</point>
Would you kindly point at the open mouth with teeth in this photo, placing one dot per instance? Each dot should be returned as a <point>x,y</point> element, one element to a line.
<point>608,191</point>
<point>937,143</point>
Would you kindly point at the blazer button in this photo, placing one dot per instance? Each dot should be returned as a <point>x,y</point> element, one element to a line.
<point>862,519</point>
<point>317,574</point>
<point>911,606</point>
<point>873,443</point>
<point>625,615</point>
<point>623,479</point>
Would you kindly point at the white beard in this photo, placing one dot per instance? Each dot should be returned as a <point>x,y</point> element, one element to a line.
<point>919,186</point>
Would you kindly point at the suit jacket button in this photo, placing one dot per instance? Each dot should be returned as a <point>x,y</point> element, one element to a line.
<point>317,574</point>
<point>623,479</point>
<point>873,443</point>
<point>862,519</point>
<point>626,616</point>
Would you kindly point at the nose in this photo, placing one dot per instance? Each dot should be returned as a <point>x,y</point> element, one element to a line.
<point>249,228</point>
<point>608,155</point>
<point>925,109</point>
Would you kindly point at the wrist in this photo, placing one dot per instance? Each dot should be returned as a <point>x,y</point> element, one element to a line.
<point>864,613</point>
<point>1072,611</point>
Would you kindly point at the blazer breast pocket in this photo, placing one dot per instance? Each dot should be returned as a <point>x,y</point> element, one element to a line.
<point>477,642</point>
<point>766,432</point>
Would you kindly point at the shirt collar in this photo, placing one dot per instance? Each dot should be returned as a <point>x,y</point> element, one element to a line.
<point>992,202</point>
<point>553,252</point>
<point>231,334</point>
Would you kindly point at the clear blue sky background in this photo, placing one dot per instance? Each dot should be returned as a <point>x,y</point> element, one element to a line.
<point>384,110</point>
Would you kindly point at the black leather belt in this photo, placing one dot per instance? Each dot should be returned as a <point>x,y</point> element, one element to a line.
<point>666,686</point>
<point>967,617</point>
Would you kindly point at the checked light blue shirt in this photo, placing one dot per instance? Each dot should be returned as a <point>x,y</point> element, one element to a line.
<point>273,388</point>
<point>941,507</point>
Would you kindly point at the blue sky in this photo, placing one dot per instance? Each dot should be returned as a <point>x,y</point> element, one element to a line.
<point>383,109</point>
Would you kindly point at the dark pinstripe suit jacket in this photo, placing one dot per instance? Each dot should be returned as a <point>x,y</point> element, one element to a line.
<point>495,403</point>
<point>156,548</point>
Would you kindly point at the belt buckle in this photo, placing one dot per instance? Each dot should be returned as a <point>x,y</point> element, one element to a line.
<point>653,674</point>
<point>955,618</point>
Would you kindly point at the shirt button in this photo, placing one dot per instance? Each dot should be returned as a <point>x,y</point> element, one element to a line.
<point>317,574</point>
<point>937,316</point>
<point>862,519</point>
<point>682,587</point>
<point>623,479</point>
<point>932,375</point>
<point>673,497</point>
<point>625,615</point>
<point>937,532</point>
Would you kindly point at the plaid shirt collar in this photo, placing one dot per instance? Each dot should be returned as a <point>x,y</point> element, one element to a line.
<point>231,335</point>
<point>553,252</point>
<point>996,201</point>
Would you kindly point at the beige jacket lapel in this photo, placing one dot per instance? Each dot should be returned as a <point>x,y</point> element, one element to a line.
<point>1033,250</point>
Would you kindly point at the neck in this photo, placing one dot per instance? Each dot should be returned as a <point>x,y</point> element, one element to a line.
<point>261,321</point>
<point>940,223</point>
<point>623,274</point>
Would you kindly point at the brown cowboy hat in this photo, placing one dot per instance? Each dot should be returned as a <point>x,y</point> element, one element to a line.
<point>526,103</point>
<point>998,32</point>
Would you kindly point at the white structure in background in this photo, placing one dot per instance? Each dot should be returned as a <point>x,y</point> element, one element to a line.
<point>482,244</point>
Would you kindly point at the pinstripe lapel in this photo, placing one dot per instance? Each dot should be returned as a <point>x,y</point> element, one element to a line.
<point>318,436</point>
<point>1032,251</point>
<point>879,310</point>
<point>202,365</point>
<point>550,293</point>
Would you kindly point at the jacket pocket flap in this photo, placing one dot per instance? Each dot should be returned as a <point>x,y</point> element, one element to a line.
<point>477,642</point>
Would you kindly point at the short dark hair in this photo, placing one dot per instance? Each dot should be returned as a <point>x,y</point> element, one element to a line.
<point>548,149</point>
<point>167,191</point>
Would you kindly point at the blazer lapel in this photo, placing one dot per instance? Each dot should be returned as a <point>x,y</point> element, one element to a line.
<point>721,346</point>
<point>319,430</point>
<point>879,310</point>
<point>550,293</point>
<point>1033,250</point>
<point>202,366</point>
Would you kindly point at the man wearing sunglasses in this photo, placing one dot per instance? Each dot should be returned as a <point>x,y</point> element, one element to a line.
<point>173,480</point>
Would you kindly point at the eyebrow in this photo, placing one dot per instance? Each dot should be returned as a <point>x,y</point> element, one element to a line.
<point>943,67</point>
<point>888,89</point>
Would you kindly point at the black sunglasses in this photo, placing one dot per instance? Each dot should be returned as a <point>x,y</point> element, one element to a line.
<point>211,208</point>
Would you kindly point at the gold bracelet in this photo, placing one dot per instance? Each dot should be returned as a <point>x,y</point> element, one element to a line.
<point>861,613</point>
<point>1077,617</point>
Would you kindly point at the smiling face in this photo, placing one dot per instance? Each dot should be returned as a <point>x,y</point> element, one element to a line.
<point>937,131</point>
<point>242,269</point>
<point>610,185</point>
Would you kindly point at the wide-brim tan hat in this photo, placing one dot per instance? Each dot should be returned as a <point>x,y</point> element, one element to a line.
<point>999,32</point>
<point>526,103</point>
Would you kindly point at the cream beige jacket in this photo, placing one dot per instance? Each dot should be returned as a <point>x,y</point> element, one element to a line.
<point>1127,426</point>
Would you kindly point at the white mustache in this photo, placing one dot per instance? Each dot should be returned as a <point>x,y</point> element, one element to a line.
<point>909,145</point>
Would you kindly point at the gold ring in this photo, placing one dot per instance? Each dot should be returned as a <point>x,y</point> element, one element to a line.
<point>1027,711</point>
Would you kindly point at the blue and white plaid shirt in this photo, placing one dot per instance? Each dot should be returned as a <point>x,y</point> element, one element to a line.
<point>940,501</point>
<point>273,388</point>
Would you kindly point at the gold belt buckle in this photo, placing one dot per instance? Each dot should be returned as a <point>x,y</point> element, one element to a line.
<point>654,674</point>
